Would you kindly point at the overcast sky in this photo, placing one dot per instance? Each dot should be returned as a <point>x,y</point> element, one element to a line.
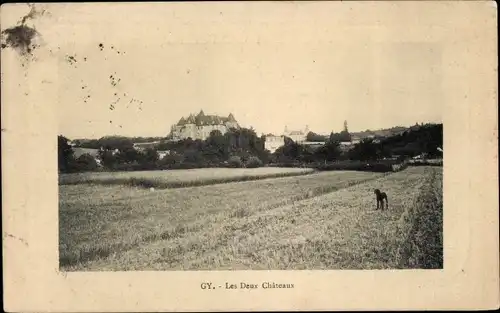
<point>269,64</point>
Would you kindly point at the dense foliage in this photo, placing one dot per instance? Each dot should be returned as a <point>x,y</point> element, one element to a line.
<point>244,148</point>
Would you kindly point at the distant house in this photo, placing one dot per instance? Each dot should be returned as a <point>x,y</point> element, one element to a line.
<point>420,156</point>
<point>298,136</point>
<point>113,152</point>
<point>272,142</point>
<point>346,145</point>
<point>162,154</point>
<point>140,146</point>
<point>355,139</point>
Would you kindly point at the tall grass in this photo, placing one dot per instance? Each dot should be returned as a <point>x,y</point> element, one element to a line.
<point>421,228</point>
<point>162,184</point>
<point>87,253</point>
<point>380,166</point>
<point>160,180</point>
<point>282,223</point>
<point>99,222</point>
<point>338,230</point>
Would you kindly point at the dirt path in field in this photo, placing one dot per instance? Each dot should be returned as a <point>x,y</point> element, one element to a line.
<point>336,230</point>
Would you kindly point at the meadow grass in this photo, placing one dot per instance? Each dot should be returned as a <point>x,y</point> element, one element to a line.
<point>338,230</point>
<point>103,222</point>
<point>321,221</point>
<point>421,227</point>
<point>180,178</point>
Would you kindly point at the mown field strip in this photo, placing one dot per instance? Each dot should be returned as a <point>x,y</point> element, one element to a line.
<point>421,228</point>
<point>338,230</point>
<point>180,178</point>
<point>100,221</point>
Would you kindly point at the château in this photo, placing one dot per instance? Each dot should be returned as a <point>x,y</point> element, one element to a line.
<point>200,126</point>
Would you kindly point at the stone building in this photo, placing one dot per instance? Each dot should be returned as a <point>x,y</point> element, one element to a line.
<point>297,135</point>
<point>200,126</point>
<point>272,142</point>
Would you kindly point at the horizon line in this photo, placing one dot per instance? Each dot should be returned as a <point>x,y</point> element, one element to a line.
<point>249,127</point>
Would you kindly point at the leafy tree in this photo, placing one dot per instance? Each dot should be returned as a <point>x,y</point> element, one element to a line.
<point>329,152</point>
<point>290,150</point>
<point>306,154</point>
<point>215,147</point>
<point>150,156</point>
<point>128,155</point>
<point>170,160</point>
<point>424,139</point>
<point>65,154</point>
<point>264,155</point>
<point>345,137</point>
<point>193,156</point>
<point>315,137</point>
<point>253,162</point>
<point>235,161</point>
<point>365,150</point>
<point>109,142</point>
<point>85,162</point>
<point>107,158</point>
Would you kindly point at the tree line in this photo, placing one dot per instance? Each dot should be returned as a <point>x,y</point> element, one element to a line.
<point>244,148</point>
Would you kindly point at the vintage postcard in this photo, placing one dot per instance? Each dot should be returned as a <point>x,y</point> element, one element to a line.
<point>249,156</point>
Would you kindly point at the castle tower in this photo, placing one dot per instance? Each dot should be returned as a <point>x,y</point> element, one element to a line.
<point>231,121</point>
<point>199,119</point>
<point>190,119</point>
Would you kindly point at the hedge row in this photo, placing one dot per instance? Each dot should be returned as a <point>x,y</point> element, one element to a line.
<point>382,166</point>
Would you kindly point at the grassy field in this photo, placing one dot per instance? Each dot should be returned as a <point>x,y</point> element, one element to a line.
<point>180,178</point>
<point>324,220</point>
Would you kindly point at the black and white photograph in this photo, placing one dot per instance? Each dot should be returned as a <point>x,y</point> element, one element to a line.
<point>235,137</point>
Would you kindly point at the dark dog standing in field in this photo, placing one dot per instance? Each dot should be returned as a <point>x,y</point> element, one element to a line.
<point>381,196</point>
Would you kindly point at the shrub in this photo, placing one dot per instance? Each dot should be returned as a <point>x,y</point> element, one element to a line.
<point>431,162</point>
<point>399,167</point>
<point>85,162</point>
<point>133,167</point>
<point>235,161</point>
<point>368,166</point>
<point>170,161</point>
<point>254,162</point>
<point>288,164</point>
